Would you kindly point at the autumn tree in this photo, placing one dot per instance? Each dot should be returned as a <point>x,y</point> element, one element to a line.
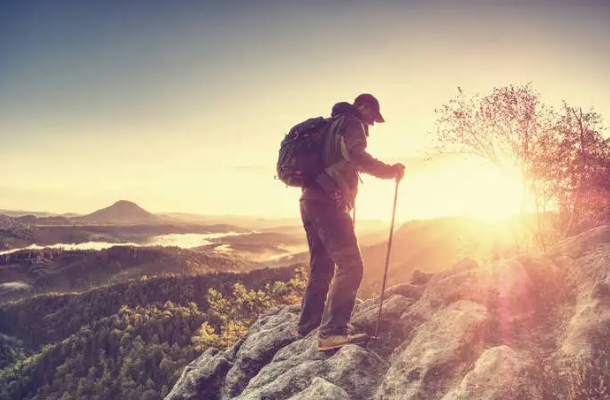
<point>562,156</point>
<point>575,167</point>
<point>504,127</point>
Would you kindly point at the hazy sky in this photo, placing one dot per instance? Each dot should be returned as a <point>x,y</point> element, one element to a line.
<point>181,105</point>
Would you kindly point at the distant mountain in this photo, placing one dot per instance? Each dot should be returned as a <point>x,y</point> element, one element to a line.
<point>67,215</point>
<point>30,219</point>
<point>428,245</point>
<point>27,219</point>
<point>122,212</point>
<point>246,221</point>
<point>286,225</point>
<point>7,222</point>
<point>38,214</point>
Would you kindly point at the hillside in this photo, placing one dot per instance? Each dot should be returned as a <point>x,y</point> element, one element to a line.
<point>534,327</point>
<point>29,272</point>
<point>426,245</point>
<point>129,340</point>
<point>14,234</point>
<point>122,212</point>
<point>127,319</point>
<point>431,245</point>
<point>245,221</point>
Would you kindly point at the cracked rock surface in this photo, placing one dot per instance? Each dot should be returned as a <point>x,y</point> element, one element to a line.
<point>506,330</point>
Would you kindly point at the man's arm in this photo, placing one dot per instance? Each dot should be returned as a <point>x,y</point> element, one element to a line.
<point>355,143</point>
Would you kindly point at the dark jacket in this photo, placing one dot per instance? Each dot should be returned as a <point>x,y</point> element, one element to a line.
<point>345,156</point>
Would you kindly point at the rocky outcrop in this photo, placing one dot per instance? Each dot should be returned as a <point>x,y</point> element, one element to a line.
<point>513,329</point>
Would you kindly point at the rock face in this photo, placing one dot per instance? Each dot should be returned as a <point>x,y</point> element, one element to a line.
<point>513,329</point>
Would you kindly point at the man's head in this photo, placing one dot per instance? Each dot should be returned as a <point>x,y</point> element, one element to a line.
<point>368,106</point>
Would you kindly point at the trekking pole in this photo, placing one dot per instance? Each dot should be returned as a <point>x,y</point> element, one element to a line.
<point>387,260</point>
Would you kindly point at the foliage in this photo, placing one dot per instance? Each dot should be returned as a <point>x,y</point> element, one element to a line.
<point>134,351</point>
<point>59,270</point>
<point>560,154</point>
<point>573,168</point>
<point>11,351</point>
<point>132,341</point>
<point>229,318</point>
<point>52,317</point>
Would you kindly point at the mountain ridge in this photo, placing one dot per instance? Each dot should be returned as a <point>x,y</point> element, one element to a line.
<point>122,211</point>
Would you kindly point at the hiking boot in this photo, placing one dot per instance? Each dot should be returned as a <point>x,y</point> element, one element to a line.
<point>299,334</point>
<point>336,341</point>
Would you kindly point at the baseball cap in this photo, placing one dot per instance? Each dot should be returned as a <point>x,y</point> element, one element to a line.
<point>372,102</point>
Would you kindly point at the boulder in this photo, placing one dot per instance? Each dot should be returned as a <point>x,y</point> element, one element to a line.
<point>439,354</point>
<point>500,373</point>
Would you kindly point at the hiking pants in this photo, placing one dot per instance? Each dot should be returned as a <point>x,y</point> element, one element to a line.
<point>332,241</point>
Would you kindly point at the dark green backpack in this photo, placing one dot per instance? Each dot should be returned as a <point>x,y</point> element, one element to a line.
<point>300,158</point>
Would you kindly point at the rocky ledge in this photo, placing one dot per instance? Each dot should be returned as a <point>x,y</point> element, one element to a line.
<point>533,327</point>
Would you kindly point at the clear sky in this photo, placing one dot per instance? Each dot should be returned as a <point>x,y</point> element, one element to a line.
<point>181,105</point>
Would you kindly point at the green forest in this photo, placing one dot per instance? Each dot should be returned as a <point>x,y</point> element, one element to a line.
<point>130,340</point>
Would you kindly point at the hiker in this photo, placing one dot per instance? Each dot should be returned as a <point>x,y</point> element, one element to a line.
<point>325,207</point>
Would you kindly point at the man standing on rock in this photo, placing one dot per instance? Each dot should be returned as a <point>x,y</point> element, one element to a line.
<point>325,208</point>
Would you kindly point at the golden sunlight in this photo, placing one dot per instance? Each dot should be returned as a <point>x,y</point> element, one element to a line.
<point>488,193</point>
<point>470,188</point>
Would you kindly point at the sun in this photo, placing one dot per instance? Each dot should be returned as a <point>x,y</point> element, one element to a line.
<point>489,193</point>
<point>479,189</point>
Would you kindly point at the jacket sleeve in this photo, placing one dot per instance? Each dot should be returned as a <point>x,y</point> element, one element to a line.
<point>354,137</point>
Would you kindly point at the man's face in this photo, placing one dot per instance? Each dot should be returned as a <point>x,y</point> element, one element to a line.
<point>368,114</point>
